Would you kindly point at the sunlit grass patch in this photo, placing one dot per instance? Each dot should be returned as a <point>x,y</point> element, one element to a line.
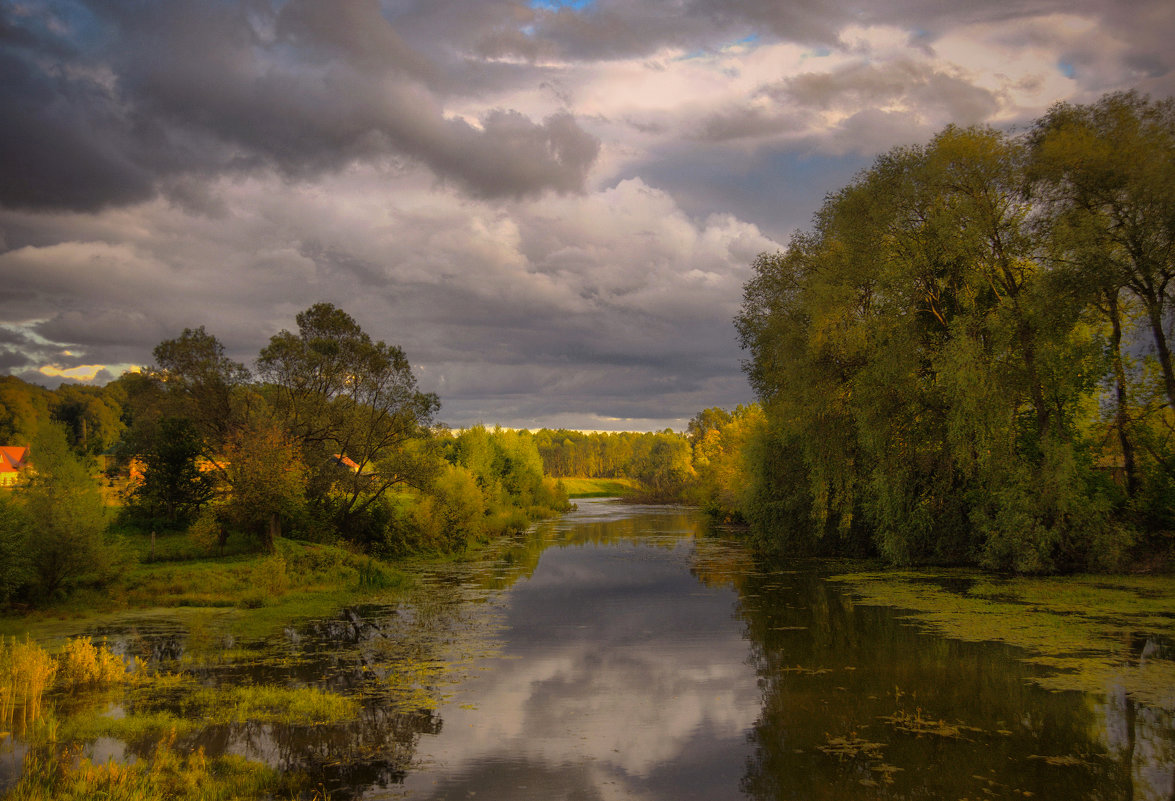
<point>267,703</point>
<point>65,776</point>
<point>600,487</point>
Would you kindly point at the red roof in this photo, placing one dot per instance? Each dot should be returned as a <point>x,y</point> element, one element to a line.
<point>347,461</point>
<point>12,458</point>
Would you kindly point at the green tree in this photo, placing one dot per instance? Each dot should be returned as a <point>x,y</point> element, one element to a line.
<point>66,518</point>
<point>663,465</point>
<point>15,569</point>
<point>933,375</point>
<point>173,485</point>
<point>92,416</point>
<point>24,408</point>
<point>1109,168</point>
<point>340,394</point>
<point>267,480</point>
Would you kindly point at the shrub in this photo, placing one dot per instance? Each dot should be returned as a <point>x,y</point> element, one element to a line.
<point>82,663</point>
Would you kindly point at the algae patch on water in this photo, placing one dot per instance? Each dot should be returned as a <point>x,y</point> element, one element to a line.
<point>1092,633</point>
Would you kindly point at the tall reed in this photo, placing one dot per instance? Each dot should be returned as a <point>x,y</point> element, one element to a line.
<point>26,670</point>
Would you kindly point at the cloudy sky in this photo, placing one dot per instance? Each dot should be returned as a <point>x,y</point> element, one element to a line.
<point>550,205</point>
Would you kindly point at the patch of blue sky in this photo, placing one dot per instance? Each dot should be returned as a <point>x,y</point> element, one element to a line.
<point>60,19</point>
<point>555,5</point>
<point>1067,69</point>
<point>746,43</point>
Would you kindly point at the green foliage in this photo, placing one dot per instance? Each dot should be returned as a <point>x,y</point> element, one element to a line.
<point>92,416</point>
<point>200,383</point>
<point>24,409</point>
<point>174,484</point>
<point>345,400</point>
<point>663,465</point>
<point>932,356</point>
<point>267,480</point>
<point>15,566</point>
<point>720,442</point>
<point>65,520</point>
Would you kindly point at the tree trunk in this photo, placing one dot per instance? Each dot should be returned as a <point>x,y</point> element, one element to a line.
<point>1035,390</point>
<point>1121,416</point>
<point>1155,313</point>
<point>273,530</point>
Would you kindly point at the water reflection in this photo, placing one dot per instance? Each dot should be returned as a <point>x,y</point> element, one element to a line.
<point>622,677</point>
<point>622,652</point>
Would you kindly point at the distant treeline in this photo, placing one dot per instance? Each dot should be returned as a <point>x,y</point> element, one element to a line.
<point>966,358</point>
<point>659,461</point>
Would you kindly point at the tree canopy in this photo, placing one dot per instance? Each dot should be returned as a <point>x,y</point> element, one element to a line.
<point>942,357</point>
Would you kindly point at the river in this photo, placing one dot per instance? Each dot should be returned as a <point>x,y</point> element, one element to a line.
<point>622,652</point>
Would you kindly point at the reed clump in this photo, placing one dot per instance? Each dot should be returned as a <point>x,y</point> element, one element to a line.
<point>83,664</point>
<point>26,671</point>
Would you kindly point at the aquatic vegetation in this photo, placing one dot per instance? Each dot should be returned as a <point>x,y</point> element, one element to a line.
<point>26,671</point>
<point>84,664</point>
<point>67,776</point>
<point>268,703</point>
<point>851,747</point>
<point>917,724</point>
<point>142,727</point>
<point>1091,632</point>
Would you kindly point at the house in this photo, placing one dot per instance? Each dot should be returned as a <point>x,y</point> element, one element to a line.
<point>137,467</point>
<point>346,461</point>
<point>12,463</point>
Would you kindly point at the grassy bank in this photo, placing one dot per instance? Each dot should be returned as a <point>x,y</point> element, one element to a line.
<point>246,595</point>
<point>600,487</point>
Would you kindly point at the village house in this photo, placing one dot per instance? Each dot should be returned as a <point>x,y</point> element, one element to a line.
<point>13,459</point>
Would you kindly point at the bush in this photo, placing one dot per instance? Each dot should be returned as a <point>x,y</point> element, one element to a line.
<point>84,664</point>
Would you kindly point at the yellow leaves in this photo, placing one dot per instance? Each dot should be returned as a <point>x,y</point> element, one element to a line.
<point>82,663</point>
<point>26,671</point>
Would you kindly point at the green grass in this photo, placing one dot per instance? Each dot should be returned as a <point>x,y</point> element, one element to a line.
<point>246,595</point>
<point>600,487</point>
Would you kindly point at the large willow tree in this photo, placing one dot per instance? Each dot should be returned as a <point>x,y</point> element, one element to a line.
<point>933,376</point>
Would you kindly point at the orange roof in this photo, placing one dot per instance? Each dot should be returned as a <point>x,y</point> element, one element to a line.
<point>12,458</point>
<point>347,461</point>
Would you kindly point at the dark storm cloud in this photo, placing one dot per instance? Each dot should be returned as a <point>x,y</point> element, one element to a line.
<point>552,211</point>
<point>104,110</point>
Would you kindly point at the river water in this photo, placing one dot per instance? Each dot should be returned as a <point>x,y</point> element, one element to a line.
<point>643,659</point>
<point>622,652</point>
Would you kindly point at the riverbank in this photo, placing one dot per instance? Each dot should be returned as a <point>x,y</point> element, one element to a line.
<point>245,594</point>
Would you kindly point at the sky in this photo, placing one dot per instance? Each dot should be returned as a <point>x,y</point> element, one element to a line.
<point>551,206</point>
